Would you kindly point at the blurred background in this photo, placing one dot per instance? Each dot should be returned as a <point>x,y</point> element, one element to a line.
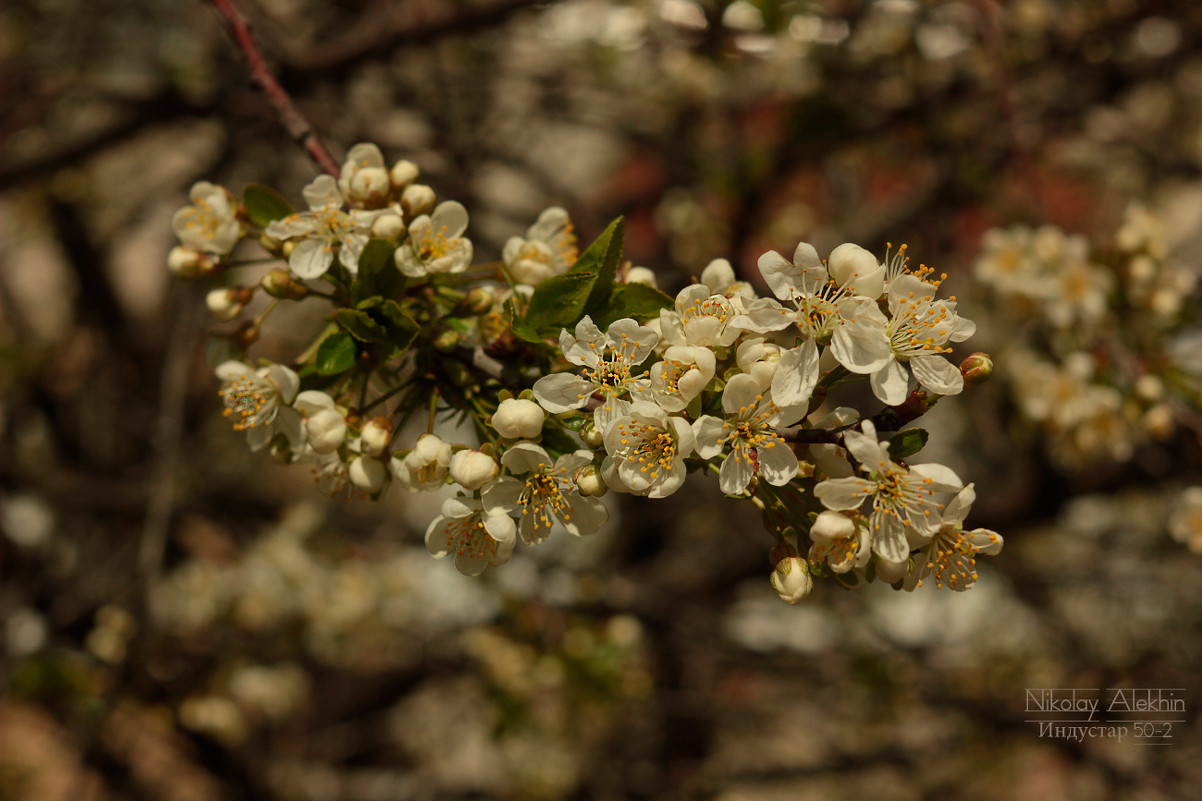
<point>182,619</point>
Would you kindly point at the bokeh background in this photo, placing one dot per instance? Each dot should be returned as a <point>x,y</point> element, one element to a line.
<point>181,619</point>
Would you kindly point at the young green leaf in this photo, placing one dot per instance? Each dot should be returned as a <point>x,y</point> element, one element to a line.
<point>336,354</point>
<point>638,301</point>
<point>264,205</point>
<point>906,443</point>
<point>560,301</point>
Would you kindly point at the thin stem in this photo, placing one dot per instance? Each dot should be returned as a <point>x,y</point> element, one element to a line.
<point>294,122</point>
<point>433,411</point>
<point>390,393</point>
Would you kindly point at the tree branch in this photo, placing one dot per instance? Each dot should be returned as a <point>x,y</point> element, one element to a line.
<point>294,122</point>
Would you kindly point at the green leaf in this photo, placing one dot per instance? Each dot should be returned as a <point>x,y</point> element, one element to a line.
<point>562,300</point>
<point>402,328</point>
<point>378,274</point>
<point>361,325</point>
<point>264,205</point>
<point>639,301</point>
<point>336,354</point>
<point>907,443</point>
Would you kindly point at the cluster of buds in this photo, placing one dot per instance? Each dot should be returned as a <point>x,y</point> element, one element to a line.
<point>578,377</point>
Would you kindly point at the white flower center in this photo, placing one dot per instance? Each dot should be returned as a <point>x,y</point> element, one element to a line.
<point>251,400</point>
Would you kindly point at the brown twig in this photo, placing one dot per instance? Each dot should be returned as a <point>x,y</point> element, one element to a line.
<point>295,123</point>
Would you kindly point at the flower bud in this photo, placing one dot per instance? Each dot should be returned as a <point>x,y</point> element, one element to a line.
<point>479,300</point>
<point>791,580</point>
<point>472,469</point>
<point>830,526</point>
<point>590,482</point>
<point>976,368</point>
<point>375,436</point>
<point>519,419</point>
<point>417,200</point>
<point>366,473</point>
<point>426,466</point>
<point>279,283</point>
<point>325,430</point>
<point>592,436</point>
<point>640,275</point>
<point>226,304</point>
<point>388,226</point>
<point>186,262</point>
<point>369,186</point>
<point>402,174</point>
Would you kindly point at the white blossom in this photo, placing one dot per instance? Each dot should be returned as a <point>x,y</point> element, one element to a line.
<point>258,401</point>
<point>647,449</point>
<point>916,332</point>
<point>549,248</point>
<point>324,230</point>
<point>680,377</point>
<point>548,492</point>
<point>949,558</point>
<point>426,466</point>
<point>324,425</point>
<point>210,223</point>
<point>607,359</point>
<point>747,433</point>
<point>478,537</point>
<point>700,317</point>
<point>839,542</point>
<point>902,498</point>
<point>436,243</point>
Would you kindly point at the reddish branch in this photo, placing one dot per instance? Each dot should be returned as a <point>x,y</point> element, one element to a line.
<point>296,124</point>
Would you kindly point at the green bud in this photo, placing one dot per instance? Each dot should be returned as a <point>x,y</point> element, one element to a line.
<point>279,283</point>
<point>976,368</point>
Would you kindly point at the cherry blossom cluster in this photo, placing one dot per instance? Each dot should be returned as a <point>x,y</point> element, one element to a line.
<point>1100,342</point>
<point>576,376</point>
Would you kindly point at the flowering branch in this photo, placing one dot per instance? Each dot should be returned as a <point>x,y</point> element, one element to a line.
<point>297,126</point>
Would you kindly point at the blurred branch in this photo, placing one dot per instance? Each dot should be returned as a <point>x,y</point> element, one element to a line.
<point>294,122</point>
<point>163,107</point>
<point>374,36</point>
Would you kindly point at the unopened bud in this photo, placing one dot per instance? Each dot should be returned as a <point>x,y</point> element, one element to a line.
<point>369,186</point>
<point>447,340</point>
<point>366,473</point>
<point>518,419</point>
<point>279,283</point>
<point>640,275</point>
<point>271,245</point>
<point>830,526</point>
<point>473,469</point>
<point>592,436</point>
<point>590,482</point>
<point>417,199</point>
<point>186,262</point>
<point>226,304</point>
<point>325,430</point>
<point>976,368</point>
<point>791,579</point>
<point>388,226</point>
<point>479,300</point>
<point>376,435</point>
<point>402,174</point>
